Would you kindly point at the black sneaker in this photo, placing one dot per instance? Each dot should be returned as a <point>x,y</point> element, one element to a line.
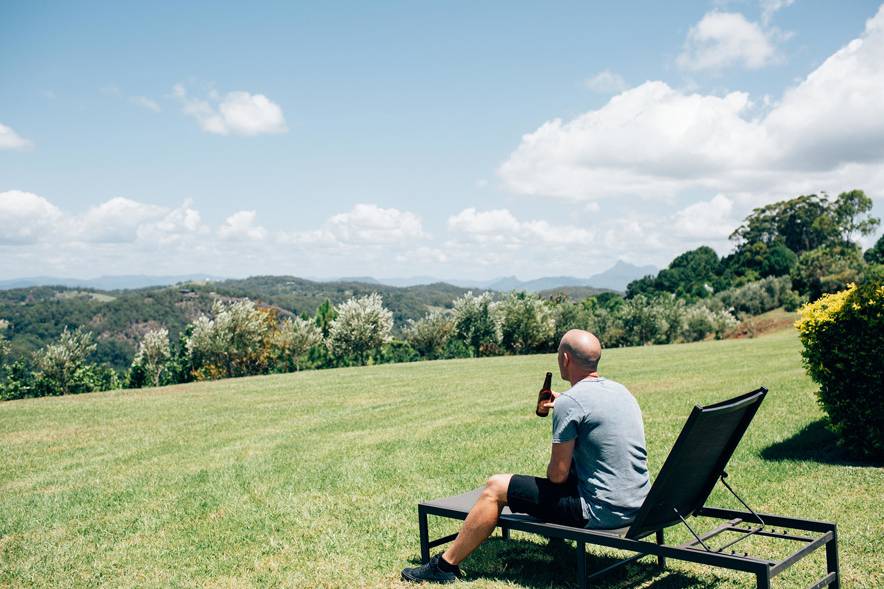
<point>430,572</point>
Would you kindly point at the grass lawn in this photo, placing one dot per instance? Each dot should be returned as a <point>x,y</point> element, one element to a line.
<point>312,479</point>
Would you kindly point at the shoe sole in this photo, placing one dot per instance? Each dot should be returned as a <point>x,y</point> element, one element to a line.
<point>413,580</point>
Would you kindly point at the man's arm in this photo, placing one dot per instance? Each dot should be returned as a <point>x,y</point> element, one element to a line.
<point>560,462</point>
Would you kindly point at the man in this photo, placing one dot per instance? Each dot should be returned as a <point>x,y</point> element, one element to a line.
<point>597,475</point>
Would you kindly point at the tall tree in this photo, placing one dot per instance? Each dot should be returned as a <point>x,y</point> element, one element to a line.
<point>60,362</point>
<point>808,222</point>
<point>875,254</point>
<point>474,322</point>
<point>294,338</point>
<point>430,334</point>
<point>153,354</point>
<point>362,326</point>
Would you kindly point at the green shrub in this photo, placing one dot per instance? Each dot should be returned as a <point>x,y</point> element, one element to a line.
<point>843,337</point>
<point>827,270</point>
<point>759,297</point>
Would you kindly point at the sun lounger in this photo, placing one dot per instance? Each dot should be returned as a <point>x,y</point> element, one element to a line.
<point>695,464</point>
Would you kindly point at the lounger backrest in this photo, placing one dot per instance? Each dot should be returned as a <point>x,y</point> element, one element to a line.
<point>697,459</point>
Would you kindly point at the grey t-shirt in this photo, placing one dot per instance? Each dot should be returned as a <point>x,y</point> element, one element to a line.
<point>610,458</point>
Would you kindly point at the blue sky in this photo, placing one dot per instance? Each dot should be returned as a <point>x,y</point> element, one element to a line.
<point>457,139</point>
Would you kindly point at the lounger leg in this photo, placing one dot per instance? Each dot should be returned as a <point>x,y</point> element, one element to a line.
<point>763,580</point>
<point>505,532</point>
<point>581,565</point>
<point>832,560</point>
<point>661,560</point>
<point>425,535</point>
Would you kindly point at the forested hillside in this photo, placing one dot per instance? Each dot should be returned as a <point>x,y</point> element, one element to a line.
<point>119,319</point>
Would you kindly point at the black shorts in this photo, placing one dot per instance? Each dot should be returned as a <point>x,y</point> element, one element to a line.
<point>545,500</point>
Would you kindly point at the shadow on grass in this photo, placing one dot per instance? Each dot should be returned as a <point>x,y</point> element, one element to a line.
<point>813,443</point>
<point>542,566</point>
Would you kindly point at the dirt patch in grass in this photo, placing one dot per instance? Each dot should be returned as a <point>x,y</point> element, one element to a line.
<point>770,322</point>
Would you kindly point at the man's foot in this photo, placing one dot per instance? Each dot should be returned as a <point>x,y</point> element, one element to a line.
<point>431,572</point>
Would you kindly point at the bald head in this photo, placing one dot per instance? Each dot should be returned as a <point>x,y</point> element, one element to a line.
<point>579,351</point>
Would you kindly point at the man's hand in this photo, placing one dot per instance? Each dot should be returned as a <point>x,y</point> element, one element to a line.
<point>550,404</point>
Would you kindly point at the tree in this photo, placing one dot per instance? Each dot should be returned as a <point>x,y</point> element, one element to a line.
<point>526,323</point>
<point>672,313</point>
<point>61,362</point>
<point>808,222</point>
<point>429,335</point>
<point>699,322</point>
<point>153,355</point>
<point>827,270</point>
<point>4,351</point>
<point>850,215</point>
<point>362,326</point>
<point>293,338</point>
<point>475,324</point>
<point>4,344</point>
<point>325,314</point>
<point>641,321</point>
<point>875,254</point>
<point>693,274</point>
<point>646,285</point>
<point>234,343</point>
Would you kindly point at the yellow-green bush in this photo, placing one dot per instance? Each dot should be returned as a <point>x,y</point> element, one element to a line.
<point>843,337</point>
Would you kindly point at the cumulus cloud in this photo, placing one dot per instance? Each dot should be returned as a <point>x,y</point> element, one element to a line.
<point>242,225</point>
<point>116,220</point>
<point>9,139</point>
<point>725,39</point>
<point>706,220</point>
<point>649,141</point>
<point>235,113</point>
<point>364,226</point>
<point>606,82</point>
<point>658,142</point>
<point>25,217</point>
<point>501,226</point>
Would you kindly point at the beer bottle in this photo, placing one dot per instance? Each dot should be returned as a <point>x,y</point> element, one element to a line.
<point>544,396</point>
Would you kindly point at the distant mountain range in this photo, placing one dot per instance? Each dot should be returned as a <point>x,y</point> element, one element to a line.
<point>106,282</point>
<point>614,278</point>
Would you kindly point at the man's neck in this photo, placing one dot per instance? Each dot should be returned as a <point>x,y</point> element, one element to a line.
<point>583,376</point>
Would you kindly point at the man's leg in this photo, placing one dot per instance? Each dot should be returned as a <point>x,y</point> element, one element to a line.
<point>481,520</point>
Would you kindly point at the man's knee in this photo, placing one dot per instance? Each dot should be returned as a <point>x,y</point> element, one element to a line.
<point>497,486</point>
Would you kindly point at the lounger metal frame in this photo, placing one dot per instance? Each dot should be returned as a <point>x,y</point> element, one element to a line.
<point>811,534</point>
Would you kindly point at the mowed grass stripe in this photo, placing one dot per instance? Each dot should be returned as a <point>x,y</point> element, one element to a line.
<point>311,479</point>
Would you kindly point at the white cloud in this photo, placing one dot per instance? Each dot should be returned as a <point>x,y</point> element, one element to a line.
<point>145,102</point>
<point>770,7</point>
<point>706,220</point>
<point>650,141</point>
<point>836,115</point>
<point>237,113</point>
<point>242,225</point>
<point>494,223</point>
<point>25,217</point>
<point>502,227</point>
<point>827,133</point>
<point>725,39</point>
<point>370,224</point>
<point>178,225</point>
<point>116,220</point>
<point>606,82</point>
<point>9,139</point>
